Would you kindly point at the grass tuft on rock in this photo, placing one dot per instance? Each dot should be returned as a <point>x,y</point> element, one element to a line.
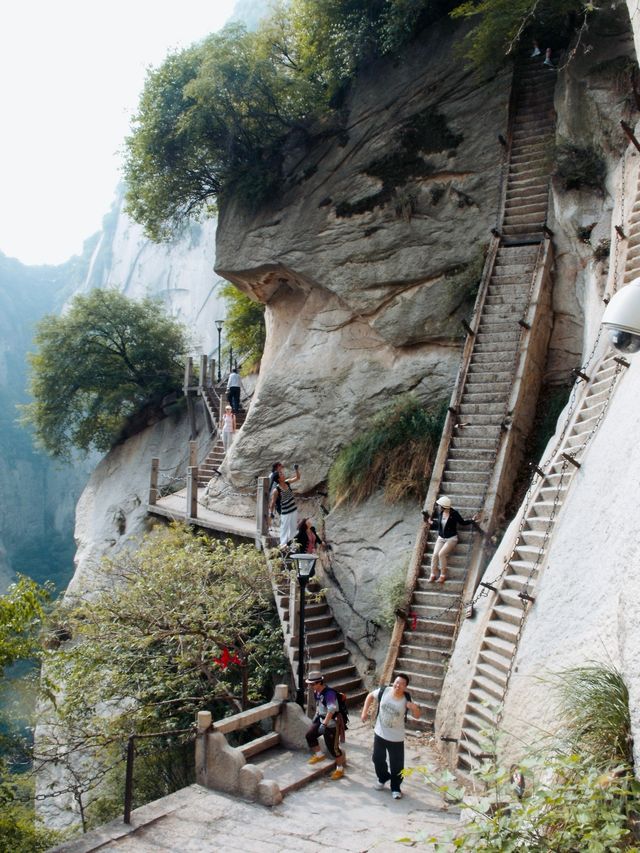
<point>395,453</point>
<point>595,707</point>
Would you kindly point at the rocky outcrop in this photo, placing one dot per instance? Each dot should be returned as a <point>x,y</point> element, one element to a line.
<point>361,262</point>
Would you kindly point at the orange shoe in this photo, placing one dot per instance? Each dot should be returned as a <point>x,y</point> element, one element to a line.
<point>316,757</point>
<point>338,773</point>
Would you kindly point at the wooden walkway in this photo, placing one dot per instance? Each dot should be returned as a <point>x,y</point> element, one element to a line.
<point>175,507</point>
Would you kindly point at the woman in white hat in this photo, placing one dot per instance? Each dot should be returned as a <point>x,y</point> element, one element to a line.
<point>447,522</point>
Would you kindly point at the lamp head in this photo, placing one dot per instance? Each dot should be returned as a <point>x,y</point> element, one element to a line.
<point>305,563</point>
<point>219,324</point>
<point>621,318</point>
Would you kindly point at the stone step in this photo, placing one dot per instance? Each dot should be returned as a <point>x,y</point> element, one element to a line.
<point>319,636</point>
<point>413,639</point>
<point>430,668</point>
<point>521,582</point>
<point>438,596</point>
<point>499,646</point>
<point>315,623</point>
<point>509,597</point>
<point>488,687</point>
<point>495,675</point>
<point>508,613</point>
<point>425,655</point>
<point>431,613</point>
<point>476,389</point>
<point>435,627</point>
<point>452,587</point>
<point>481,713</point>
<point>503,630</point>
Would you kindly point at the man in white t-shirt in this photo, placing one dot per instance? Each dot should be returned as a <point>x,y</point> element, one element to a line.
<point>388,738</point>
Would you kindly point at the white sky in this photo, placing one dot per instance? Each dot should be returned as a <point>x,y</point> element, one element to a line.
<point>71,72</point>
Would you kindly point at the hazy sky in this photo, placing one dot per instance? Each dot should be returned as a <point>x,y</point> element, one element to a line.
<point>71,72</point>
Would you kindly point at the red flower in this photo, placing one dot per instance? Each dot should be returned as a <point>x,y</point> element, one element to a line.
<point>414,621</point>
<point>225,659</point>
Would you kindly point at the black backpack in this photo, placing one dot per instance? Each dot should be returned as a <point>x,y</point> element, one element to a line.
<point>342,705</point>
<point>407,696</point>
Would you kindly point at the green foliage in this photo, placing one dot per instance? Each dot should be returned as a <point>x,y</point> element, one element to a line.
<point>22,610</point>
<point>20,831</point>
<point>580,166</point>
<point>580,792</point>
<point>99,364</point>
<point>395,452</point>
<point>244,326</point>
<point>569,806</point>
<point>595,705</point>
<point>501,24</point>
<point>391,595</point>
<point>213,119</point>
<point>146,644</point>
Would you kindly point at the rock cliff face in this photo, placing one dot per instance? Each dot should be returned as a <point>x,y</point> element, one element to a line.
<point>365,278</point>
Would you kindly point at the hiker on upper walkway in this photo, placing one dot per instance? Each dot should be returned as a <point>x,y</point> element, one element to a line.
<point>234,386</point>
<point>446,522</point>
<point>288,510</point>
<point>388,738</point>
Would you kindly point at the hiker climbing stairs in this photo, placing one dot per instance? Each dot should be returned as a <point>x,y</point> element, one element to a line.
<point>493,362</point>
<point>324,641</point>
<point>214,458</point>
<point>517,583</point>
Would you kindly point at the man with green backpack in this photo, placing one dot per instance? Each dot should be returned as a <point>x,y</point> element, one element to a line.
<point>388,738</point>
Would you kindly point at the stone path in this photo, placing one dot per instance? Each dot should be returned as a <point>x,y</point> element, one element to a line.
<point>175,507</point>
<point>347,815</point>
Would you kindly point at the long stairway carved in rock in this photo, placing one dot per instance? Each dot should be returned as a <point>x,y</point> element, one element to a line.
<point>495,394</point>
<point>324,641</point>
<point>516,585</point>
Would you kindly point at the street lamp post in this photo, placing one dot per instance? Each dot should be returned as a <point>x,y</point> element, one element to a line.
<point>305,564</point>
<point>219,324</point>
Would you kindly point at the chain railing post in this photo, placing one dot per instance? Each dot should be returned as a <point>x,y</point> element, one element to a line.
<point>192,492</point>
<point>262,507</point>
<point>128,781</point>
<point>153,481</point>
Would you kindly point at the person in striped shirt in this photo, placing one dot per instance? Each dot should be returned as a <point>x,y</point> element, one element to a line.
<point>288,509</point>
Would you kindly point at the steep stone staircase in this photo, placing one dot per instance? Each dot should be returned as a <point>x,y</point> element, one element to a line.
<point>208,468</point>
<point>516,586</point>
<point>324,641</point>
<point>495,391</point>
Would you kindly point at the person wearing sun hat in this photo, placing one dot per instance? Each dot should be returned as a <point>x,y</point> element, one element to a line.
<point>328,723</point>
<point>446,521</point>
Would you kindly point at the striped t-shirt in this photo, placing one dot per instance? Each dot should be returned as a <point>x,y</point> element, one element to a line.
<point>287,500</point>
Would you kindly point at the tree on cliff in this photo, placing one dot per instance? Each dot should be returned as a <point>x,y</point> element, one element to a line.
<point>22,610</point>
<point>502,25</point>
<point>104,361</point>
<point>182,624</point>
<point>218,117</point>
<point>245,326</point>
